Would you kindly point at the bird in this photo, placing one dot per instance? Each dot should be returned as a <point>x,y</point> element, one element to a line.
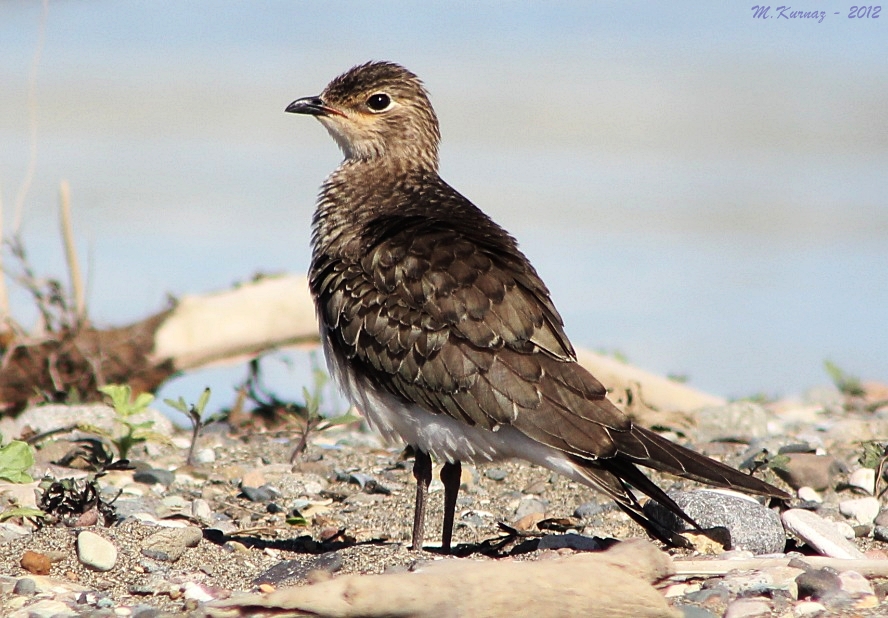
<point>438,328</point>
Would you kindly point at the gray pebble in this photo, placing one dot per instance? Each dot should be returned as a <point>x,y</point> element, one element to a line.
<point>496,474</point>
<point>818,584</point>
<point>169,544</point>
<point>751,526</point>
<point>259,494</point>
<point>863,510</point>
<point>880,533</point>
<point>692,611</point>
<point>530,505</point>
<point>25,586</point>
<point>291,572</point>
<point>155,476</point>
<point>588,510</point>
<point>748,608</point>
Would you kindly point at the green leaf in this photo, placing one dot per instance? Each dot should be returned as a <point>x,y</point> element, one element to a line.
<point>202,402</point>
<point>21,511</point>
<point>15,460</point>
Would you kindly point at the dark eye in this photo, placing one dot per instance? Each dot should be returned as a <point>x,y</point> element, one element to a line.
<point>379,102</point>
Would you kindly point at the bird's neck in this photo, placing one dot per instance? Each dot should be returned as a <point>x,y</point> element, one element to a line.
<point>360,190</point>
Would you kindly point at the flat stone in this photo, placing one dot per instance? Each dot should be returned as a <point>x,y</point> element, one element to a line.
<point>751,526</point>
<point>809,494</point>
<point>291,572</point>
<point>25,586</point>
<point>528,506</point>
<point>808,469</point>
<point>155,476</point>
<point>588,510</point>
<point>96,552</point>
<point>496,474</point>
<point>808,608</point>
<point>820,534</point>
<point>169,544</point>
<point>748,608</point>
<point>855,584</point>
<point>863,510</point>
<point>205,456</point>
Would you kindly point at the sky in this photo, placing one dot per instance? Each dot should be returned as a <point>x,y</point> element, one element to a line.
<point>703,191</point>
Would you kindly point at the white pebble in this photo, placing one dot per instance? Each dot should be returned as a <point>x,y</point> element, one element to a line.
<point>863,510</point>
<point>205,455</point>
<point>809,494</point>
<point>820,534</point>
<point>96,552</point>
<point>864,478</point>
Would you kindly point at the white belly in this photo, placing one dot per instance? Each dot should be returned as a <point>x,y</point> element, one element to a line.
<point>446,438</point>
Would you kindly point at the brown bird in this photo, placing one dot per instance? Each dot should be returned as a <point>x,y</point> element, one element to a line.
<point>439,329</point>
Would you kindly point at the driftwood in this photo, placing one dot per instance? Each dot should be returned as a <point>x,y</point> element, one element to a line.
<point>231,326</point>
<point>611,584</point>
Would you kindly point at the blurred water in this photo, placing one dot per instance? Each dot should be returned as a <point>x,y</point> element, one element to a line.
<point>704,192</point>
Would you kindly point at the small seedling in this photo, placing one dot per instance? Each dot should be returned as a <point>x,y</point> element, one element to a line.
<point>125,408</point>
<point>194,413</point>
<point>847,384</point>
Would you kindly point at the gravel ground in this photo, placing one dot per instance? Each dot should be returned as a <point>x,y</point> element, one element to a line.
<point>346,506</point>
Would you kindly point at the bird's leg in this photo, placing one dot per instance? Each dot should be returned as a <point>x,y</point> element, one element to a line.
<point>422,472</point>
<point>451,473</point>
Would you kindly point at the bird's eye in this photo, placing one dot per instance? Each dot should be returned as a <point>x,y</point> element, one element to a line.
<point>379,102</point>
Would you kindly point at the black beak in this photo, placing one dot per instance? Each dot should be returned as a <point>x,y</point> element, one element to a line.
<point>313,106</point>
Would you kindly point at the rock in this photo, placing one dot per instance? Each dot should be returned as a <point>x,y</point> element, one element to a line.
<point>880,533</point>
<point>742,421</point>
<point>809,494</point>
<point>292,572</point>
<point>808,608</point>
<point>201,510</point>
<point>751,526</point>
<point>820,534</point>
<point>253,478</point>
<point>818,584</point>
<point>25,586</point>
<point>259,494</point>
<point>855,584</point>
<point>882,518</point>
<point>96,552</point>
<point>808,469</point>
<point>692,611</point>
<point>576,542</point>
<point>205,456</point>
<point>528,506</point>
<point>588,510</point>
<point>35,562</point>
<point>155,476</point>
<point>864,479</point>
<point>863,510</point>
<point>169,544</point>
<point>495,474</point>
<point>48,608</point>
<point>748,608</point>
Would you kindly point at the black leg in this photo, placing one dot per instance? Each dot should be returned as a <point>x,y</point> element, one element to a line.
<point>451,473</point>
<point>422,472</point>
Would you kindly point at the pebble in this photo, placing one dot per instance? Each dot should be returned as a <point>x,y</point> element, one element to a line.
<point>201,510</point>
<point>882,518</point>
<point>864,479</point>
<point>809,494</point>
<point>809,469</point>
<point>96,552</point>
<point>820,534</point>
<point>588,510</point>
<point>49,608</point>
<point>263,493</point>
<point>169,544</point>
<point>36,563</point>
<point>855,584</point>
<point>205,456</point>
<point>818,584</point>
<point>25,586</point>
<point>751,526</point>
<point>292,572</point>
<point>495,474</point>
<point>748,608</point>
<point>529,506</point>
<point>808,608</point>
<point>155,476</point>
<point>863,510</point>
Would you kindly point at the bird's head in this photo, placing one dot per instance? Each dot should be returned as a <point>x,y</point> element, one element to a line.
<point>375,111</point>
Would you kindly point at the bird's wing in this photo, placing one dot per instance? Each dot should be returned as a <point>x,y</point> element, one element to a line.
<point>442,317</point>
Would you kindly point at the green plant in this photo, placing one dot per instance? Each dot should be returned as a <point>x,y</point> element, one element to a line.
<point>16,458</point>
<point>847,384</point>
<point>125,407</point>
<point>194,413</point>
<point>313,419</point>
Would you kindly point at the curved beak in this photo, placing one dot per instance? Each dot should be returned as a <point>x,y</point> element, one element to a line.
<point>313,106</point>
